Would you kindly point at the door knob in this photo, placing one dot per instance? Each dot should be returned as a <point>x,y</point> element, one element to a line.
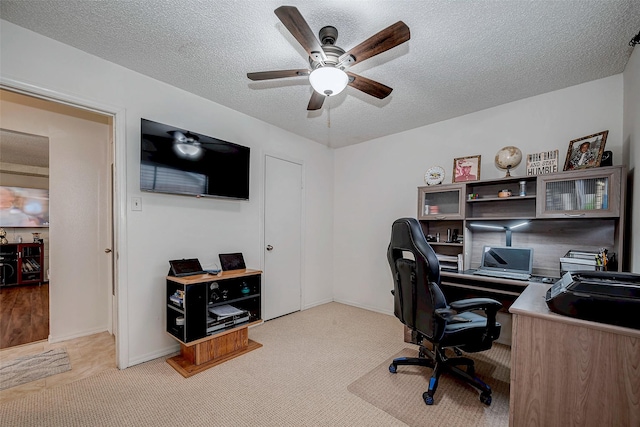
<point>269,247</point>
<point>107,251</point>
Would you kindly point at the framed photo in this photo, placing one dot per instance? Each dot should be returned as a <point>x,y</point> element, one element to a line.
<point>586,152</point>
<point>466,169</point>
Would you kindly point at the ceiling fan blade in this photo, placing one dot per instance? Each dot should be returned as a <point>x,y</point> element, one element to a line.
<point>298,27</point>
<point>382,41</point>
<point>368,86</point>
<point>316,101</point>
<point>279,74</point>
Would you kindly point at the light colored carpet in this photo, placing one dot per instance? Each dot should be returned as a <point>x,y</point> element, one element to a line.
<point>30,368</point>
<point>400,394</point>
<point>298,378</point>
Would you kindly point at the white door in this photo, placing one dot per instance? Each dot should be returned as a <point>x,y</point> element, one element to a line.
<point>109,251</point>
<point>283,237</point>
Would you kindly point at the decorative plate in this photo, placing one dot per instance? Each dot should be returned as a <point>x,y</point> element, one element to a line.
<point>434,175</point>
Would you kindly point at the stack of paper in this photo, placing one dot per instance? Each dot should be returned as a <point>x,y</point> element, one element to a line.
<point>226,310</point>
<point>448,262</point>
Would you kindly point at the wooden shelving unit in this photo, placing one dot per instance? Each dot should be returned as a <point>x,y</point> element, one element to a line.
<point>21,264</point>
<point>571,209</point>
<point>206,340</point>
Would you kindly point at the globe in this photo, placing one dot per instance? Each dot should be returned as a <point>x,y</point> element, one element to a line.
<point>508,158</point>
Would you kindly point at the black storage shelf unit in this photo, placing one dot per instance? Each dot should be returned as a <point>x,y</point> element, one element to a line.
<point>21,264</point>
<point>190,298</point>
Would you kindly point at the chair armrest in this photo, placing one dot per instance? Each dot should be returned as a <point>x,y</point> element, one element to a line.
<point>490,307</point>
<point>486,304</point>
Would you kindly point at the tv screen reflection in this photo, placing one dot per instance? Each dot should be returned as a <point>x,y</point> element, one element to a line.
<point>24,207</point>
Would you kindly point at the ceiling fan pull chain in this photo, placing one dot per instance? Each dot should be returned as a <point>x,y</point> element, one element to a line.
<point>329,123</point>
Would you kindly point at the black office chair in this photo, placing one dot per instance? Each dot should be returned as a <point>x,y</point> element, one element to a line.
<point>420,305</point>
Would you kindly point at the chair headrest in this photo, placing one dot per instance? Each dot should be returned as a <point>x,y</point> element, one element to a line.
<point>407,235</point>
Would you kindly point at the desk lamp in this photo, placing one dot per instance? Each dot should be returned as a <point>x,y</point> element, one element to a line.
<point>502,227</point>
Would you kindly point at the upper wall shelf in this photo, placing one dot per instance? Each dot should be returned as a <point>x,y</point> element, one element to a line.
<point>500,199</point>
<point>557,200</point>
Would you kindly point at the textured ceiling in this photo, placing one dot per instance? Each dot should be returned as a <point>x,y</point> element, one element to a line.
<point>463,56</point>
<point>24,149</point>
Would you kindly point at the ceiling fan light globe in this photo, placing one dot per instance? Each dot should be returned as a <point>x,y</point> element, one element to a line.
<point>328,80</point>
<point>188,151</point>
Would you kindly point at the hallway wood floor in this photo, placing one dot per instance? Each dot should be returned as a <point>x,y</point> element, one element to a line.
<point>24,330</point>
<point>89,355</point>
<point>24,314</point>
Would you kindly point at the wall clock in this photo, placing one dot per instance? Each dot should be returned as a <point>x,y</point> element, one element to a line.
<point>434,175</point>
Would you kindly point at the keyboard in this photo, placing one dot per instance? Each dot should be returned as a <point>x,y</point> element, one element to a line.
<point>503,274</point>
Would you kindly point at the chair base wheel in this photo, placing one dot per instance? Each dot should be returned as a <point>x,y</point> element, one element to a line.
<point>485,398</point>
<point>427,399</point>
<point>393,368</point>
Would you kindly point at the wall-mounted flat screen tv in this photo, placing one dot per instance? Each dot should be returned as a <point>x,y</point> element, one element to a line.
<point>24,207</point>
<point>177,161</point>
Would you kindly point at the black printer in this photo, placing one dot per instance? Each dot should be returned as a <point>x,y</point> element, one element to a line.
<point>601,296</point>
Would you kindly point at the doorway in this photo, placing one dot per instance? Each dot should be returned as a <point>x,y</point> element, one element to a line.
<point>282,287</point>
<point>80,291</point>
<point>24,235</point>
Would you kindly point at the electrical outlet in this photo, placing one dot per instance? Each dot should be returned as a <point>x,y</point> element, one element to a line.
<point>136,203</point>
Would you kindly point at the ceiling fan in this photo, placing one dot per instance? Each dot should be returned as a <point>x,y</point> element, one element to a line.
<point>186,145</point>
<point>328,62</point>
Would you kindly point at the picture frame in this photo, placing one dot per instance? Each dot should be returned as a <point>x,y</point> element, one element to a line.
<point>543,162</point>
<point>466,169</point>
<point>586,152</point>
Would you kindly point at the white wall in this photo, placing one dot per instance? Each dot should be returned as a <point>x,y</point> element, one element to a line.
<point>632,149</point>
<point>376,182</point>
<point>169,226</point>
<point>78,191</point>
<point>352,195</point>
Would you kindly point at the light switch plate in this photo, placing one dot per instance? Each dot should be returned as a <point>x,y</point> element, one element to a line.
<point>136,203</point>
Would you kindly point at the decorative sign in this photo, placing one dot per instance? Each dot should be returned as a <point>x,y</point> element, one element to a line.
<point>541,163</point>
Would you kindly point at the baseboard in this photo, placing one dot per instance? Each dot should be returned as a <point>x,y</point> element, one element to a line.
<point>355,304</point>
<point>59,338</point>
<point>154,355</point>
<point>317,303</point>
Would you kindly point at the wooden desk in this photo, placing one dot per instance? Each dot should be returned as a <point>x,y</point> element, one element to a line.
<point>571,372</point>
<point>504,290</point>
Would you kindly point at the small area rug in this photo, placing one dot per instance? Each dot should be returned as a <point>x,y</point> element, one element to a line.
<point>456,403</point>
<point>34,367</point>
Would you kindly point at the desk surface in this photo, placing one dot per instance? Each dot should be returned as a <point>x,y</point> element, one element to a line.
<point>199,278</point>
<point>532,303</point>
<point>467,275</point>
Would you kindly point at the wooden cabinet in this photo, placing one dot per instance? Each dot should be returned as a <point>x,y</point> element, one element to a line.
<point>210,315</point>
<point>594,193</point>
<point>441,212</point>
<point>561,366</point>
<point>21,264</point>
<point>441,202</point>
<point>556,212</point>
